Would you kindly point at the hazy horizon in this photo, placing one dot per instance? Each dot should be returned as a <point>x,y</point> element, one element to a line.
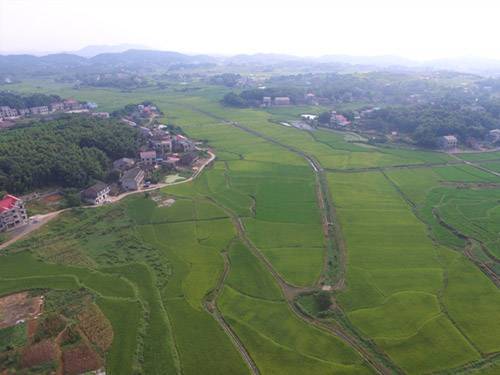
<point>416,30</point>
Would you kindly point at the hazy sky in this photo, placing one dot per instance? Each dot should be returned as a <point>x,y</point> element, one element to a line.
<point>419,29</point>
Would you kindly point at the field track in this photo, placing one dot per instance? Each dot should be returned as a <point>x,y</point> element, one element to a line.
<point>41,220</point>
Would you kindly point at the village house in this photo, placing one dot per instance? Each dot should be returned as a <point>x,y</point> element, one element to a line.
<point>162,146</point>
<point>123,164</point>
<point>41,110</point>
<point>448,142</point>
<point>128,122</point>
<point>494,135</point>
<point>57,106</point>
<point>148,157</point>
<point>182,144</point>
<point>146,132</point>
<point>267,101</point>
<point>12,213</point>
<point>310,119</point>
<point>338,119</point>
<point>132,179</point>
<point>24,112</point>
<point>100,114</point>
<point>96,194</point>
<point>188,158</point>
<point>72,104</point>
<point>282,100</point>
<point>7,112</point>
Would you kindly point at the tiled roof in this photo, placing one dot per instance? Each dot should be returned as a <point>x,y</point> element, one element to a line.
<point>8,202</point>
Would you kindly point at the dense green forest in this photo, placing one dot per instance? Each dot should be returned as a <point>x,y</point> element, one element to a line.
<point>70,152</point>
<point>426,123</point>
<point>26,101</point>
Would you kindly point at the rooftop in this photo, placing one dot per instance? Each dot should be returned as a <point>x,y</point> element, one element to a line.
<point>132,173</point>
<point>8,202</point>
<point>148,154</point>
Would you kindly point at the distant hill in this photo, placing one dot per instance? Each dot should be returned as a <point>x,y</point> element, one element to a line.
<point>91,51</point>
<point>70,63</point>
<point>100,59</point>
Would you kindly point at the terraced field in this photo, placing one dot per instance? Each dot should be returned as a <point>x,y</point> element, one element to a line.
<point>404,241</point>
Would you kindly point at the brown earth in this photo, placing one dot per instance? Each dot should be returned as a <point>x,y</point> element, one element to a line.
<point>17,307</point>
<point>39,353</point>
<point>80,359</point>
<point>97,328</point>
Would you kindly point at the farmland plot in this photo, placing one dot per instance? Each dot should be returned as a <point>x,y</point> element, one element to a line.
<point>412,306</point>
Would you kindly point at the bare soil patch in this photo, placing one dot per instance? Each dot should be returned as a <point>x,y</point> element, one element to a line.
<point>19,307</point>
<point>38,354</point>
<point>80,359</point>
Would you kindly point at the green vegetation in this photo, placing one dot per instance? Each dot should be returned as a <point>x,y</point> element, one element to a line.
<point>68,152</point>
<point>409,290</point>
<point>16,101</point>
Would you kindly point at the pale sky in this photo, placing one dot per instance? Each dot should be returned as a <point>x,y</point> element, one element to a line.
<point>418,29</point>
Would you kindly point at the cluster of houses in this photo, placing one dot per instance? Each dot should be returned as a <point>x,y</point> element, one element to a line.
<point>68,106</point>
<point>450,142</point>
<point>12,213</point>
<point>163,149</point>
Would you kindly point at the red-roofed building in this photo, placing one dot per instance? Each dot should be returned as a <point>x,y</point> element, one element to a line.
<point>12,213</point>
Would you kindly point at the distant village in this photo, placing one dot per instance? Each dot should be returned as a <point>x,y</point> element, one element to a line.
<point>8,115</point>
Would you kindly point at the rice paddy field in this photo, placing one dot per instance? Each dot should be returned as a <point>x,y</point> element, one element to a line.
<point>210,284</point>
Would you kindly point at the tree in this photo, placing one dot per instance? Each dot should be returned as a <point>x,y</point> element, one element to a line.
<point>324,117</point>
<point>323,300</point>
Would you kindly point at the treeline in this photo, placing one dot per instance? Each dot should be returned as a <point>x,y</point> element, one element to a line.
<point>68,152</point>
<point>225,79</point>
<point>253,97</point>
<point>26,101</point>
<point>425,124</point>
<point>375,88</point>
<point>130,109</point>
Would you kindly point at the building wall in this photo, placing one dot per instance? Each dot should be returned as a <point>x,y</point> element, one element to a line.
<point>13,218</point>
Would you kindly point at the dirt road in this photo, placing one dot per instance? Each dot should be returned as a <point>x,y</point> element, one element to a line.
<point>38,221</point>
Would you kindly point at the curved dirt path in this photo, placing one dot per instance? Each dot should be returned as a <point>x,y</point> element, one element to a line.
<point>211,307</point>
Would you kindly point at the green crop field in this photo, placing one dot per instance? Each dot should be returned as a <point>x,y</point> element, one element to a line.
<point>210,283</point>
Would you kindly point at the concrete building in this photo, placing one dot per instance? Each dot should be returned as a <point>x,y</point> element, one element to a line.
<point>282,100</point>
<point>96,194</point>
<point>494,135</point>
<point>12,213</point>
<point>338,119</point>
<point>267,101</point>
<point>24,112</point>
<point>41,110</point>
<point>57,106</point>
<point>7,112</point>
<point>448,141</point>
<point>123,164</point>
<point>100,114</point>
<point>162,146</point>
<point>132,179</point>
<point>308,118</point>
<point>182,144</point>
<point>148,157</point>
<point>72,104</point>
